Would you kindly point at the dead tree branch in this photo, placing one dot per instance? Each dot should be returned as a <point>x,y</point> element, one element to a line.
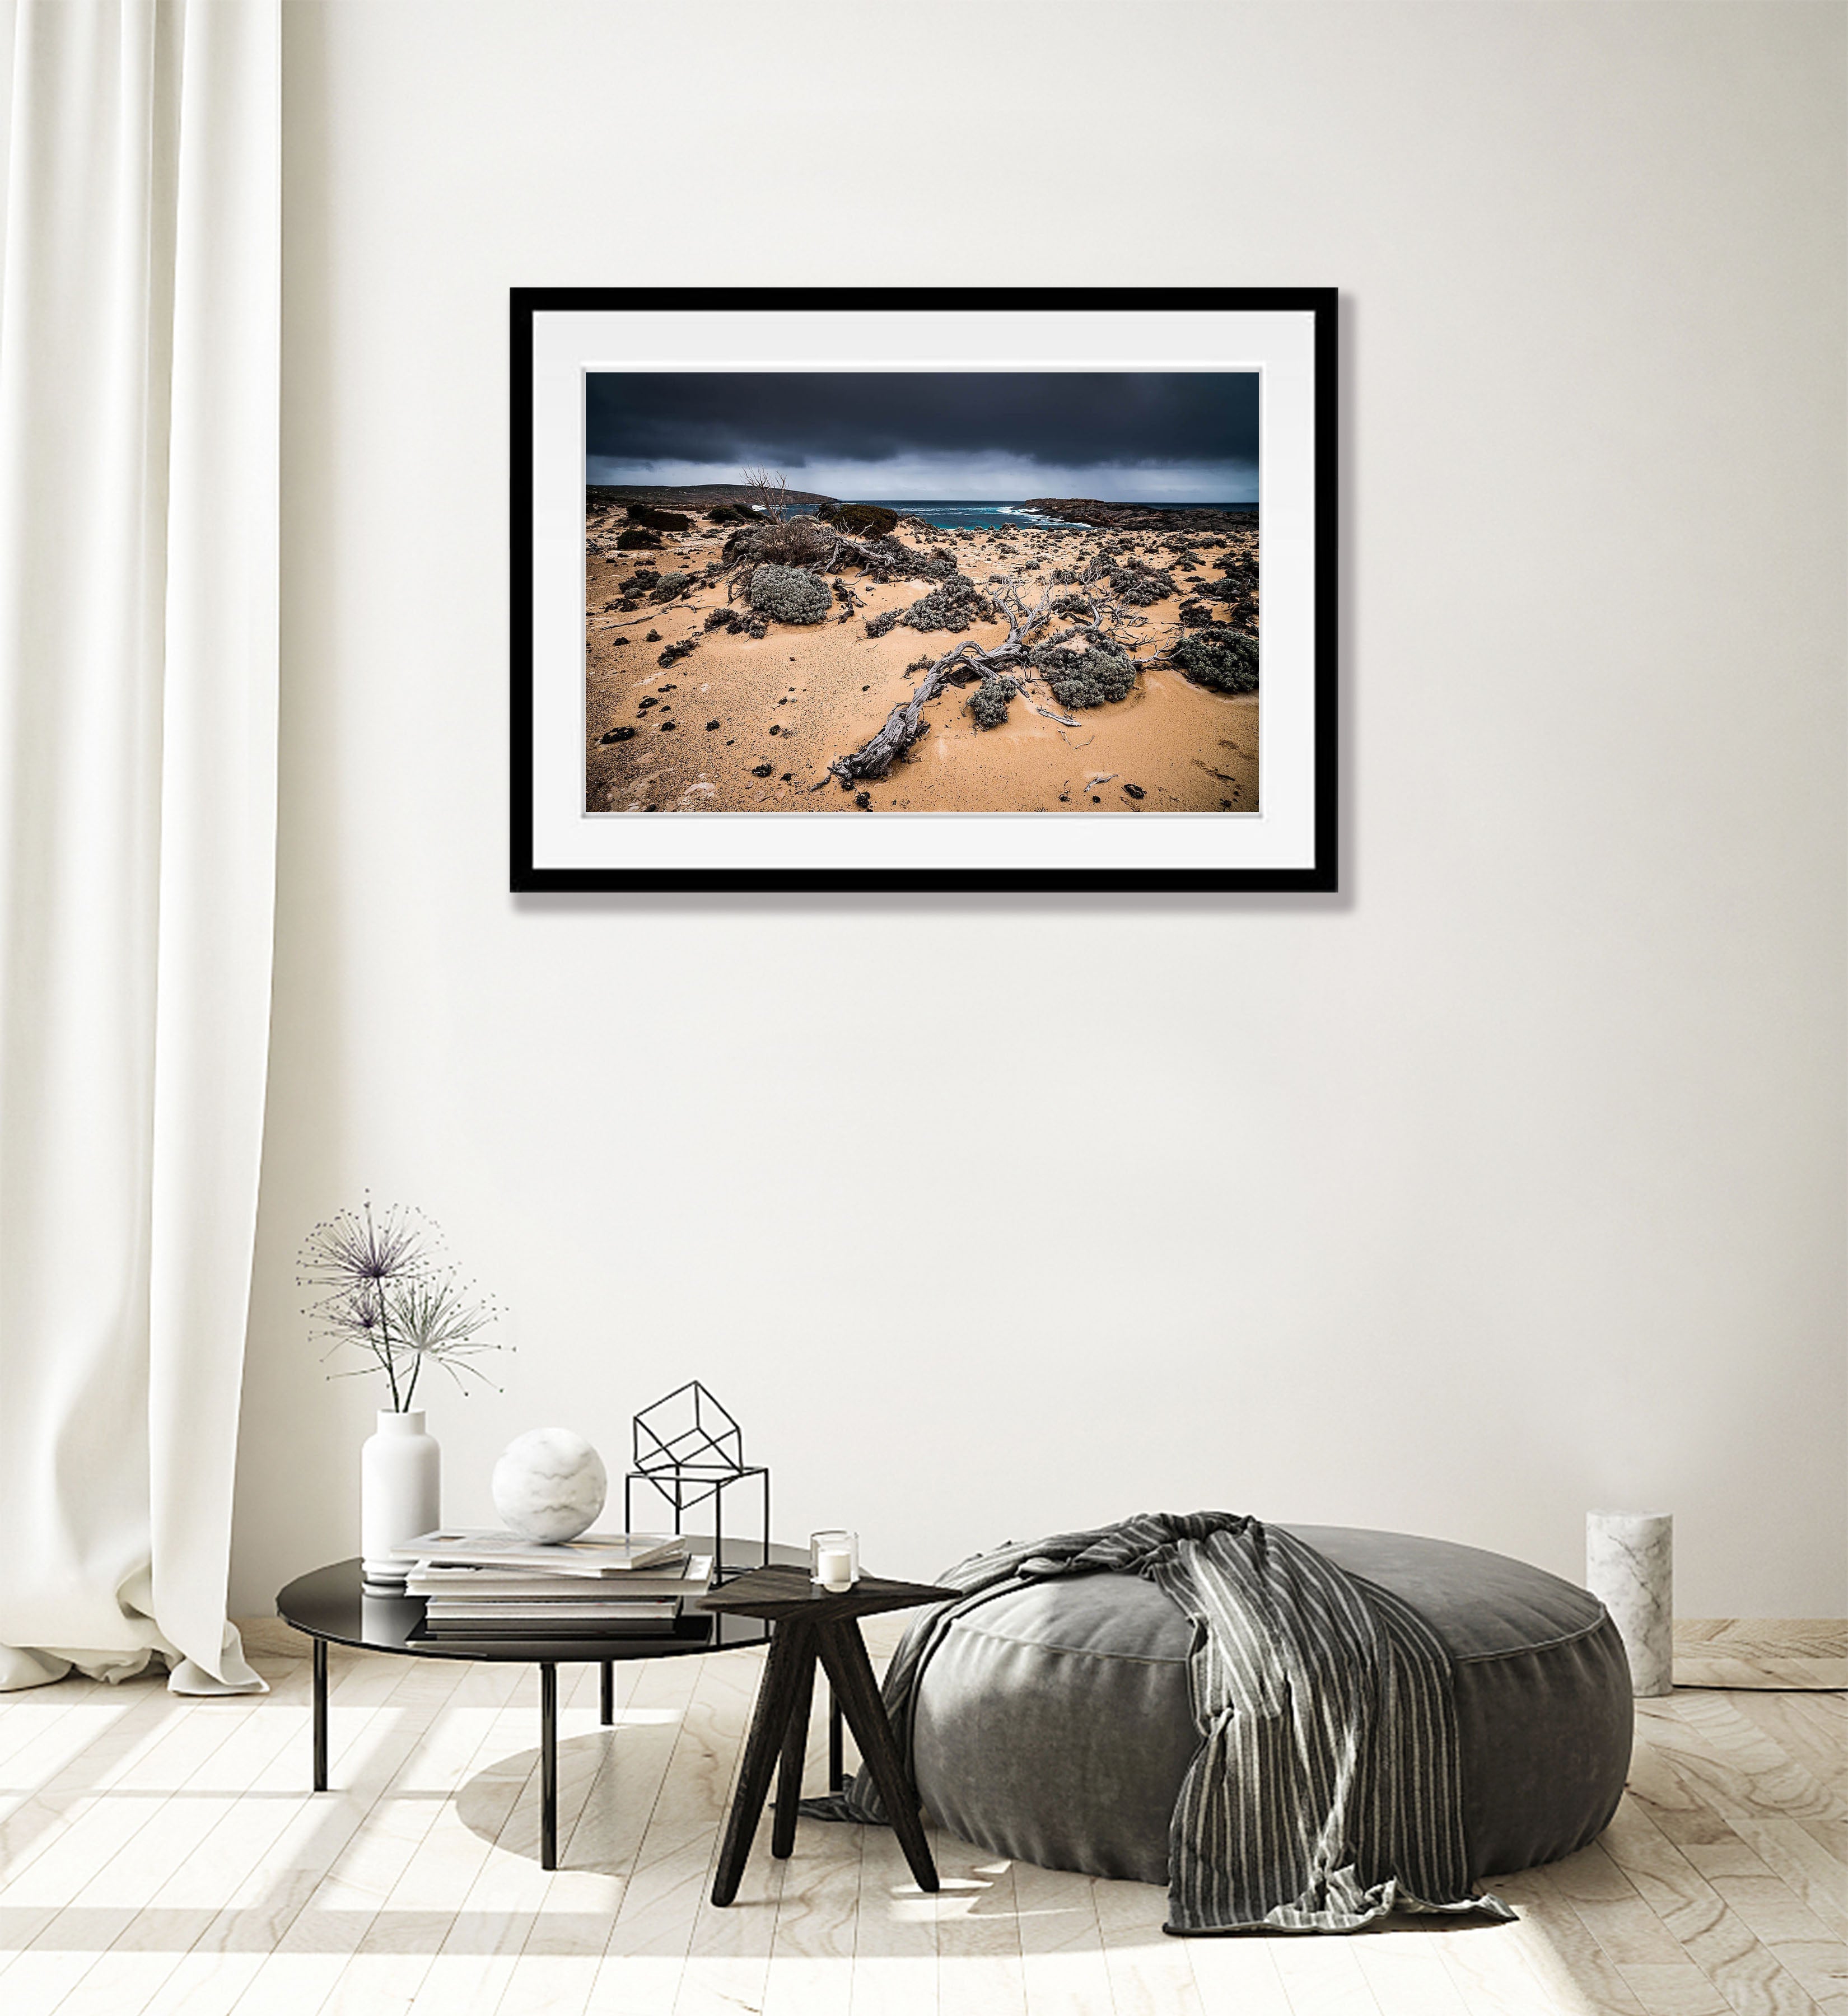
<point>768,491</point>
<point>906,725</point>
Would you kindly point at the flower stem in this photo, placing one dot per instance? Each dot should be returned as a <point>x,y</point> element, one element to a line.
<point>386,1354</point>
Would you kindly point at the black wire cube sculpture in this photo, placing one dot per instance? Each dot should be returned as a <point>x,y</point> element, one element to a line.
<point>688,1449</point>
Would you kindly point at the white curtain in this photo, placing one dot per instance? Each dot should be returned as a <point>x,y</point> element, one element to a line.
<point>140,390</point>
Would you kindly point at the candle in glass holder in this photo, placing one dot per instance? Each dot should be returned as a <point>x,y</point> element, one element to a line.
<point>834,1560</point>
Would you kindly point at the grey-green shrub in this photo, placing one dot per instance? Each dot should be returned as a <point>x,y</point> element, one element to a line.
<point>1140,586</point>
<point>1226,660</point>
<point>952,605</point>
<point>988,702</point>
<point>790,594</point>
<point>1094,678</point>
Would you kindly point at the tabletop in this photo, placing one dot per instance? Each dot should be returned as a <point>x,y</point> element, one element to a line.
<point>784,1593</point>
<point>332,1603</point>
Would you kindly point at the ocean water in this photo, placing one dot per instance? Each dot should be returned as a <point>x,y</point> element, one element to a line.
<point>980,516</point>
<point>988,515</point>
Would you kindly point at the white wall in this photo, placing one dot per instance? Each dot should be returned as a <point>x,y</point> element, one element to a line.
<point>1508,1184</point>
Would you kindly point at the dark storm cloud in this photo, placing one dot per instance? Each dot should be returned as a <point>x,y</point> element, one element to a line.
<point>790,418</point>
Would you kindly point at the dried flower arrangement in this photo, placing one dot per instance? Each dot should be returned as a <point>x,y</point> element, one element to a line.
<point>386,1289</point>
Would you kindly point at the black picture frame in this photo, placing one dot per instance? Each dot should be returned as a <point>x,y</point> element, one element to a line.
<point>1317,872</point>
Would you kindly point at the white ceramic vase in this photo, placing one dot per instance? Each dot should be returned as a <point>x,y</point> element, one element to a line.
<point>401,1474</point>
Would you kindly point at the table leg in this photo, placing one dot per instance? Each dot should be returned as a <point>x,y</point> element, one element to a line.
<point>850,1673</point>
<point>837,1763</point>
<point>792,1654</point>
<point>548,1764</point>
<point>320,1715</point>
<point>606,1710</point>
<point>795,1751</point>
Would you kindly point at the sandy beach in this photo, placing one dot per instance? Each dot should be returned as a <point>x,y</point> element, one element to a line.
<point>750,724</point>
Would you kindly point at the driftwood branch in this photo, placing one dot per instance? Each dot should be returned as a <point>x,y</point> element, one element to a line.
<point>906,725</point>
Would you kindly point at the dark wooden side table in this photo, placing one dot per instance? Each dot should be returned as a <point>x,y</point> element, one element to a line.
<point>810,1625</point>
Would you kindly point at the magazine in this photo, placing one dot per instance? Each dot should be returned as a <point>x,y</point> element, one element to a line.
<point>487,1582</point>
<point>590,1553</point>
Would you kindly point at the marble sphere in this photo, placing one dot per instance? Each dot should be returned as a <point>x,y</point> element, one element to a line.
<point>549,1485</point>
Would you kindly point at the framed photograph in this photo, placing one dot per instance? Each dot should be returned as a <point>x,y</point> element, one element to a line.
<point>840,589</point>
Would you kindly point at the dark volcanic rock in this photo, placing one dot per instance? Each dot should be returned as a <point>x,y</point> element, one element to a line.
<point>658,521</point>
<point>633,539</point>
<point>618,734</point>
<point>761,769</point>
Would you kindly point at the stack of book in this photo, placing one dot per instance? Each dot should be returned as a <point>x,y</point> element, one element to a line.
<point>487,1585</point>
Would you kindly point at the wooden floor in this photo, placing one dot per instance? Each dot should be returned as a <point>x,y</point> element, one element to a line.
<point>164,1856</point>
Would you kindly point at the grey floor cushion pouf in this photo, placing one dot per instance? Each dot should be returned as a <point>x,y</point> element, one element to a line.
<point>1054,1724</point>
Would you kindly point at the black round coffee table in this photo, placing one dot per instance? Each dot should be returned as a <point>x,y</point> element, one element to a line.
<point>332,1605</point>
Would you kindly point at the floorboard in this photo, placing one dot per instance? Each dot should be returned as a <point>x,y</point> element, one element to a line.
<point>161,1856</point>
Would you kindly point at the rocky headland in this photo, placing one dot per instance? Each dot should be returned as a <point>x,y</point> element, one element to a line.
<point>1146,517</point>
<point>685,496</point>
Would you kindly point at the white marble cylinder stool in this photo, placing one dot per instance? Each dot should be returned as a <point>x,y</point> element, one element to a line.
<point>1630,1566</point>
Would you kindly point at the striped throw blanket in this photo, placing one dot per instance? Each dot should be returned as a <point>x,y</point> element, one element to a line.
<point>1327,1789</point>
